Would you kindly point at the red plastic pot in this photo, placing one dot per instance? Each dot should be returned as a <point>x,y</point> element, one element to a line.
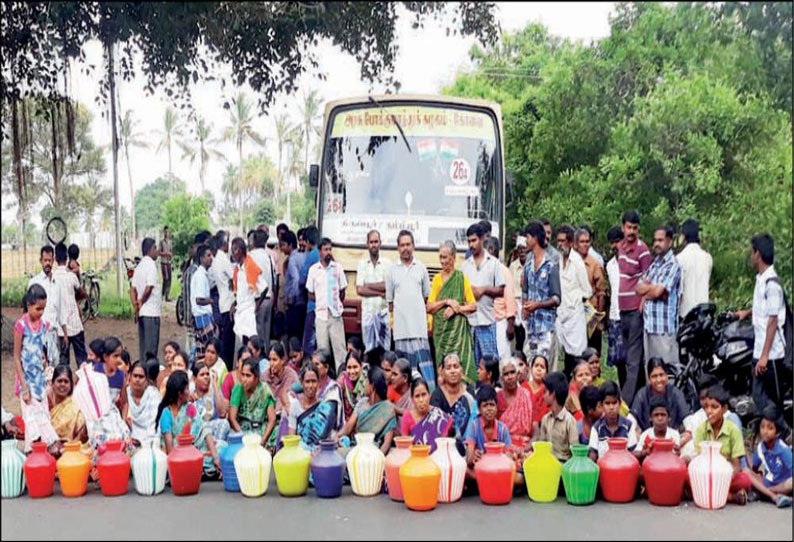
<point>39,470</point>
<point>185,466</point>
<point>495,474</point>
<point>114,469</point>
<point>664,474</point>
<point>620,471</point>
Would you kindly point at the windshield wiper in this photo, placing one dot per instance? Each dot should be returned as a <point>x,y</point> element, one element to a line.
<point>394,120</point>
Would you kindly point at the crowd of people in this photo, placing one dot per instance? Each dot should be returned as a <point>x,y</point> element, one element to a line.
<point>515,355</point>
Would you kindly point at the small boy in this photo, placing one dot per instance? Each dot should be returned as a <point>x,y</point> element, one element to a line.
<point>484,428</point>
<point>717,428</point>
<point>696,419</point>
<point>74,256</point>
<point>558,426</point>
<point>592,410</point>
<point>774,458</point>
<point>660,416</point>
<point>612,424</point>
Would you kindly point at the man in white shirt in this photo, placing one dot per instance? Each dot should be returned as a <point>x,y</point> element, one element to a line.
<point>695,266</point>
<point>147,300</point>
<point>201,302</point>
<point>769,319</point>
<point>371,287</point>
<point>264,294</point>
<point>616,352</point>
<point>52,310</point>
<point>575,287</point>
<point>68,285</point>
<point>221,271</point>
<point>326,284</point>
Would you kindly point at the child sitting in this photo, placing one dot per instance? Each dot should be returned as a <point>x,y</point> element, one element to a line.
<point>590,400</point>
<point>558,426</point>
<point>296,354</point>
<point>581,378</point>
<point>696,419</point>
<point>772,457</point>
<point>717,428</point>
<point>612,424</point>
<point>660,416</point>
<point>484,428</point>
<point>488,372</point>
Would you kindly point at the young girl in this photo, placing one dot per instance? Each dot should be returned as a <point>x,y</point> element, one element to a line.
<point>488,372</point>
<point>581,378</point>
<point>257,350</point>
<point>29,359</point>
<point>523,368</point>
<point>110,366</point>
<point>96,349</point>
<point>295,354</point>
<point>538,370</point>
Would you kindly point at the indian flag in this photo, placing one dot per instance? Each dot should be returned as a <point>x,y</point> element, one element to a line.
<point>449,149</point>
<point>427,149</point>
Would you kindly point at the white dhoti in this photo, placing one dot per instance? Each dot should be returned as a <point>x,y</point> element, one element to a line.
<point>572,331</point>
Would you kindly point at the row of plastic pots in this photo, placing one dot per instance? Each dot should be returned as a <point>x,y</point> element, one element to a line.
<point>413,475</point>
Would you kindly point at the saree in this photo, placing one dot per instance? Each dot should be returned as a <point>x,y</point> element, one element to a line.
<point>315,423</point>
<point>144,414</point>
<point>539,406</point>
<point>199,431</point>
<point>207,410</point>
<point>378,419</point>
<point>435,424</point>
<point>351,393</point>
<point>462,412</point>
<point>454,335</point>
<point>280,386</point>
<point>252,411</point>
<point>69,423</point>
<point>331,392</point>
<point>517,416</point>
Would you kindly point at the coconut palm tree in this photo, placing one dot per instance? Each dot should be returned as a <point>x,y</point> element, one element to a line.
<point>172,129</point>
<point>284,131</point>
<point>240,130</point>
<point>310,113</point>
<point>204,151</point>
<point>130,137</point>
<point>93,196</point>
<point>296,166</point>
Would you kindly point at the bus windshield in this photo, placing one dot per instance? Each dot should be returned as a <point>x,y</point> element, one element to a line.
<point>439,175</point>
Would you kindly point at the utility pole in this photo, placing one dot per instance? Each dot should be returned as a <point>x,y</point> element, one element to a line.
<point>115,146</point>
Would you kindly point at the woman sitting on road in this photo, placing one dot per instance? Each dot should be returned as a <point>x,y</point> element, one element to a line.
<point>328,390</point>
<point>422,421</point>
<point>374,413</point>
<point>170,350</point>
<point>581,378</point>
<point>215,364</point>
<point>400,377</point>
<point>281,379</point>
<point>514,406</point>
<point>141,408</point>
<point>209,402</point>
<point>65,415</point>
<point>175,413</point>
<point>453,397</point>
<point>253,407</point>
<point>352,381</point>
<point>309,417</point>
<point>659,386</point>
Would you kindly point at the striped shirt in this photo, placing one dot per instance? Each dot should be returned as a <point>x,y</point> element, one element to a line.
<point>661,315</point>
<point>633,261</point>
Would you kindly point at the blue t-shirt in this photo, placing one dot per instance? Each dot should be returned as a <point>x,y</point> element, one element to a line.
<point>776,462</point>
<point>166,422</point>
<point>475,434</point>
<point>116,381</point>
<point>311,258</point>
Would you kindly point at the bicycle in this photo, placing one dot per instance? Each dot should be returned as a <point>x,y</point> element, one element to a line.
<point>90,283</point>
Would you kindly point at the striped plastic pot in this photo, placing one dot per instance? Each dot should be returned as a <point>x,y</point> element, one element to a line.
<point>710,476</point>
<point>252,466</point>
<point>13,460</point>
<point>453,470</point>
<point>365,466</point>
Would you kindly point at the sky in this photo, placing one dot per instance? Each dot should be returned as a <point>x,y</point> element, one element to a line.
<point>427,61</point>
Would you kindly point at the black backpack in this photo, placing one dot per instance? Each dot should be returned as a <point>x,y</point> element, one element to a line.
<point>788,326</point>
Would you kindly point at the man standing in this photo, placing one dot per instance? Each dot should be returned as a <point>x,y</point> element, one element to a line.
<point>264,286</point>
<point>287,244</point>
<point>371,287</point>
<point>695,269</point>
<point>540,294</point>
<point>222,271</point>
<point>552,253</point>
<point>407,290</point>
<point>571,320</point>
<point>616,352</point>
<point>68,285</point>
<point>52,310</point>
<point>592,251</point>
<point>166,254</point>
<point>147,300</point>
<point>516,268</point>
<point>326,285</point>
<point>660,288</point>
<point>311,236</point>
<point>293,295</point>
<point>487,283</point>
<point>598,284</point>
<point>201,303</point>
<point>634,259</point>
<point>505,306</point>
<point>769,319</point>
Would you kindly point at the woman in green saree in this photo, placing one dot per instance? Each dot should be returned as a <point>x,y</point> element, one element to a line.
<point>451,299</point>
<point>373,414</point>
<point>252,405</point>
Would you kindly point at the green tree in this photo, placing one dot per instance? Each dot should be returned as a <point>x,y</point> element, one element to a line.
<point>240,131</point>
<point>130,137</point>
<point>204,150</point>
<point>311,115</point>
<point>93,198</point>
<point>149,204</point>
<point>172,130</point>
<point>284,130</point>
<point>185,215</point>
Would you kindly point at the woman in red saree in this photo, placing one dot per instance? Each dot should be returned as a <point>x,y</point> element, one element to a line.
<point>514,406</point>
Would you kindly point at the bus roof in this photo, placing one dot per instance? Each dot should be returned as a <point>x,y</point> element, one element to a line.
<point>433,98</point>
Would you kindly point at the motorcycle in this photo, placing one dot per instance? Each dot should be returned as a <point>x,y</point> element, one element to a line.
<point>723,347</point>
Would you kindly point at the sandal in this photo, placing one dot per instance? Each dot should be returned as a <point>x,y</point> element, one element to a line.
<point>783,501</point>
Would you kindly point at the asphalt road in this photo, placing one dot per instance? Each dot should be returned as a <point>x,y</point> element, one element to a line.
<point>214,514</point>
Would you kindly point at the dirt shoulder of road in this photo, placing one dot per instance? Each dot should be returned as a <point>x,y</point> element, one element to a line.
<point>125,330</point>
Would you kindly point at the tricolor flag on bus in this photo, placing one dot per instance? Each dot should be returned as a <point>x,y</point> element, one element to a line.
<point>449,149</point>
<point>427,149</point>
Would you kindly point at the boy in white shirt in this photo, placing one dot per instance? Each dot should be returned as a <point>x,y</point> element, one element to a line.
<point>660,416</point>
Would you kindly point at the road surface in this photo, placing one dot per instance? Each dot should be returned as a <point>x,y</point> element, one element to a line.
<point>214,514</point>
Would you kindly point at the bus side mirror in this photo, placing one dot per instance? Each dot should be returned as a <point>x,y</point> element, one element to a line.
<point>314,175</point>
<point>509,183</point>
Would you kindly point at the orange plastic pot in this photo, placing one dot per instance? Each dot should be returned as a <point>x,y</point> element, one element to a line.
<point>419,479</point>
<point>73,470</point>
